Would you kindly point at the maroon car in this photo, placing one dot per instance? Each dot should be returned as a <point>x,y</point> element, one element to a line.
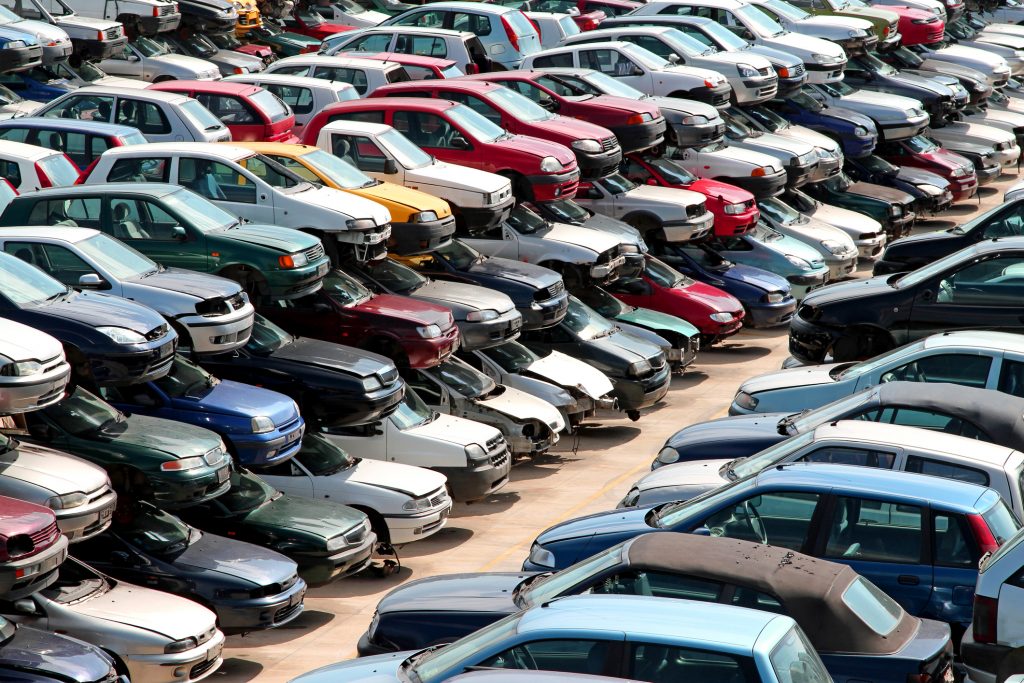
<point>412,333</point>
<point>31,548</point>
<point>637,124</point>
<point>597,150</point>
<point>921,152</point>
<point>308,21</point>
<point>419,67</point>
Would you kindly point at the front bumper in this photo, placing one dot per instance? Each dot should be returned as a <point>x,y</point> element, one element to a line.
<point>762,314</point>
<point>987,174</point>
<point>169,492</point>
<point>36,572</point>
<point>870,248</point>
<point>337,409</point>
<point>899,227</point>
<point>728,224</point>
<point>756,90</point>
<point>553,186</point>
<point>790,84</point>
<point>718,97</point>
<point>53,53</point>
<point>133,368</point>
<point>802,284</point>
<point>819,73</point>
<point>762,187</point>
<point>837,270</point>
<point>20,58</point>
<point>295,283</point>
<point>219,334</point>
<point>247,21</point>
<point>319,570</point>
<point>859,45</point>
<point>636,394</point>
<point>891,41</point>
<point>810,343</point>
<point>964,188</point>
<point>541,314</point>
<point>902,130</point>
<point>199,662</point>
<point>267,449</point>
<point>99,49</point>
<point>609,271</point>
<point>477,336</point>
<point>473,483</point>
<point>520,444</point>
<point>428,353</point>
<point>477,220</point>
<point>255,614</point>
<point>22,394</point>
<point>697,135</point>
<point>598,165</point>
<point>641,136</point>
<point>1007,158</point>
<point>856,147</point>
<point>415,238</point>
<point>88,520</point>
<point>406,529</point>
<point>826,168</point>
<point>797,175</point>
<point>686,231</point>
<point>149,26</point>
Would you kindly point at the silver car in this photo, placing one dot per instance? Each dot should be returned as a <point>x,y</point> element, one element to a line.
<point>33,369</point>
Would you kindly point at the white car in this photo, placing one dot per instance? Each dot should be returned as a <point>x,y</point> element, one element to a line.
<point>996,69</point>
<point>149,60</point>
<point>758,173</point>
<point>151,634</point>
<point>28,167</point>
<point>994,646</point>
<point>462,47</point>
<point>305,96</point>
<point>33,369</point>
<point>957,133</point>
<point>765,120</point>
<point>144,17</point>
<point>348,13</point>
<point>850,33</point>
<point>800,158</point>
<point>529,424</point>
<point>365,75</point>
<point>834,245</point>
<point>479,200</point>
<point>867,234</point>
<point>404,503</point>
<point>259,190</point>
<point>473,456</point>
<point>93,38</point>
<point>554,27</point>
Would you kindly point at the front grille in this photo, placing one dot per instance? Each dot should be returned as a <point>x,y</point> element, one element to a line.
<point>494,443</point>
<point>314,253</point>
<point>549,292</point>
<point>388,377</point>
<point>357,535</point>
<point>203,637</point>
<point>102,491</point>
<point>285,613</point>
<point>695,211</point>
<point>720,99</point>
<point>796,71</point>
<point>609,144</point>
<point>767,71</point>
<point>499,460</point>
<point>156,332</point>
<point>438,498</point>
<point>199,669</point>
<point>51,363</point>
<point>44,536</point>
<point>658,362</point>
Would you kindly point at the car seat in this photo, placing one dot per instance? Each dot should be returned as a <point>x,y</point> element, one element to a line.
<point>124,228</point>
<point>26,255</point>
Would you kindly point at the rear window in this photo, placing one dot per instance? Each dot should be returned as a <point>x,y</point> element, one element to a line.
<point>272,106</point>
<point>59,169</point>
<point>202,117</point>
<point>399,75</point>
<point>568,26</point>
<point>519,23</point>
<point>1001,522</point>
<point>133,138</point>
<point>452,71</point>
<point>872,606</point>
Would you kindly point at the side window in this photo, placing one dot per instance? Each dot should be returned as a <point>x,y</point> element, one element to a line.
<point>1008,224</point>
<point>679,10</point>
<point>426,389</point>
<point>415,73</point>
<point>995,282</point>
<point>651,43</point>
<point>136,219</point>
<point>953,544</point>
<point>474,103</point>
<point>154,170</point>
<point>947,470</point>
<point>744,596</point>
<point>15,134</point>
<point>368,116</point>
<point>550,61</point>
<point>426,130</point>
<point>863,457</point>
<point>78,212</point>
<point>295,166</point>
<point>296,70</point>
<point>299,99</point>
<point>636,171</point>
<point>357,77</point>
<point>659,663</point>
<point>1011,377</point>
<point>971,371</point>
<point>478,24</point>
<point>573,656</point>
<point>925,419</point>
<point>375,43</point>
<point>781,518</point>
<point>425,46</point>
<point>59,262</point>
<point>84,108</point>
<point>609,62</point>
<point>11,170</point>
<point>360,151</point>
<point>661,585</point>
<point>230,110</point>
<point>875,531</point>
<point>430,18</point>
<point>528,89</point>
<point>215,180</point>
<point>148,117</point>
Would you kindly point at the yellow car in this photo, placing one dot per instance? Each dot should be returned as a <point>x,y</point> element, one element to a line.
<point>248,17</point>
<point>420,222</point>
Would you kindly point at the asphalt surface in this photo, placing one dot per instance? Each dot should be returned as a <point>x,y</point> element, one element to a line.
<point>581,475</point>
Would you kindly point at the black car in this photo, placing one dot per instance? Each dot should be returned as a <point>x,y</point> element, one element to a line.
<point>208,15</point>
<point>979,287</point>
<point>931,192</point>
<point>910,253</point>
<point>334,385</point>
<point>909,62</point>
<point>248,587</point>
<point>870,73</point>
<point>986,166</point>
<point>28,655</point>
<point>537,292</point>
<point>108,340</point>
<point>894,209</point>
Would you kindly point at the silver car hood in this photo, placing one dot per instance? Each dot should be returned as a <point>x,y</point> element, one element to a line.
<point>464,296</point>
<point>164,613</point>
<point>52,470</point>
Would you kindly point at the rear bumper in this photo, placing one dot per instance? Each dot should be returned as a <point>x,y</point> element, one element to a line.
<point>36,572</point>
<point>153,25</point>
<point>99,49</point>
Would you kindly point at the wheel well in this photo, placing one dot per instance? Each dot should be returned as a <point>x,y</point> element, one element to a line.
<point>119,665</point>
<point>130,481</point>
<point>520,187</point>
<point>645,223</point>
<point>251,280</point>
<point>161,79</point>
<point>387,346</point>
<point>380,527</point>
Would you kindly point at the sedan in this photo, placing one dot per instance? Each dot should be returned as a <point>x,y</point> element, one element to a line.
<point>892,208</point>
<point>34,372</point>
<point>33,548</point>
<point>921,153</point>
<point>931,192</point>
<point>68,659</point>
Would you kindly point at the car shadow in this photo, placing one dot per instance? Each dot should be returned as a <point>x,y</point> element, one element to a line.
<point>238,669</point>
<point>606,434</point>
<point>307,622</point>
<point>361,585</point>
<point>689,379</point>
<point>491,505</point>
<point>734,349</point>
<point>448,538</point>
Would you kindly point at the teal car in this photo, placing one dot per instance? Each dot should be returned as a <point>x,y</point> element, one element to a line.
<point>179,228</point>
<point>683,337</point>
<point>169,463</point>
<point>283,43</point>
<point>767,249</point>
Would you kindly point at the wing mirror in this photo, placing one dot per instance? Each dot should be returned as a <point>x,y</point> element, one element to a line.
<point>90,281</point>
<point>178,233</point>
<point>25,606</point>
<point>637,71</point>
<point>673,58</point>
<point>391,166</point>
<point>701,531</point>
<point>459,142</point>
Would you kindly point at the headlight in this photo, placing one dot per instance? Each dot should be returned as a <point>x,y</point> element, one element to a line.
<point>930,190</point>
<point>361,224</point>
<point>695,120</point>
<point>235,594</point>
<point>417,504</point>
<point>855,34</point>
<point>589,146</point>
<point>424,217</point>
<point>798,262</point>
<point>183,645</point>
<point>336,543</point>
<point>550,165</point>
<point>262,424</point>
<point>668,455</point>
<point>475,453</point>
<point>836,248</point>
<point>122,335</point>
<point>482,316</point>
<point>67,501</point>
<point>733,209</point>
<point>747,71</point>
<point>960,172</point>
<point>774,297</point>
<point>895,210</point>
<point>293,260</point>
<point>979,86</point>
<point>721,317</point>
<point>9,368</point>
<point>824,59</point>
<point>429,331</point>
<point>542,557</point>
<point>14,44</point>
<point>745,401</point>
<point>371,384</point>
<point>861,132</point>
<point>640,367</point>
<point>183,464</point>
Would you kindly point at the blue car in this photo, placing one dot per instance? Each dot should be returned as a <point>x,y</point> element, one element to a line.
<point>261,427</point>
<point>919,538</point>
<point>37,85</point>
<point>855,132</point>
<point>639,638</point>
<point>758,290</point>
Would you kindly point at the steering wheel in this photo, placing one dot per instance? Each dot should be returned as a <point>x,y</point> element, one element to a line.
<point>523,659</point>
<point>755,522</point>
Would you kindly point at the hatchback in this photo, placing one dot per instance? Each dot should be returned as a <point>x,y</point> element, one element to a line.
<point>305,96</point>
<point>28,167</point>
<point>82,145</point>
<point>419,67</point>
<point>462,47</point>
<point>251,113</point>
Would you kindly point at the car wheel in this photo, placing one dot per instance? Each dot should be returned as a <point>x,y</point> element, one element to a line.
<point>377,523</point>
<point>861,345</point>
<point>130,482</point>
<point>80,372</point>
<point>251,280</point>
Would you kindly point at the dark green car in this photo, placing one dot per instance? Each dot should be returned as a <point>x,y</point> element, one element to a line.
<point>170,463</point>
<point>893,208</point>
<point>177,227</point>
<point>325,539</point>
<point>283,43</point>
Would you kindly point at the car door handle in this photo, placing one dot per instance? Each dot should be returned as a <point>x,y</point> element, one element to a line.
<point>907,580</point>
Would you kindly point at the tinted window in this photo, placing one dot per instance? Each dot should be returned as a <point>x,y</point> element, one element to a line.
<point>1011,377</point>
<point>426,46</point>
<point>875,531</point>
<point>426,130</point>
<point>574,656</point>
<point>56,261</point>
<point>299,99</point>
<point>953,545</point>
<point>955,368</point>
<point>1001,522</point>
<point>549,61</point>
<point>659,663</point>
<point>15,134</point>
<point>146,116</point>
<point>375,43</point>
<point>11,170</point>
<point>781,519</point>
<point>863,457</point>
<point>366,116</point>
<point>154,170</point>
<point>607,61</point>
<point>230,110</point>
<point>925,419</point>
<point>948,470</point>
<point>431,18</point>
<point>477,24</point>
<point>994,282</point>
<point>357,77</point>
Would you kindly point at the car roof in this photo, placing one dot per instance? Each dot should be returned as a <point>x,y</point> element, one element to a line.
<point>561,70</point>
<point>224,151</point>
<point>10,148</point>
<point>53,234</point>
<point>733,628</point>
<point>881,433</point>
<point>724,4</point>
<point>478,7</point>
<point>413,103</point>
<point>477,86</point>
<point>947,494</point>
<point>137,93</point>
<point>220,87</point>
<point>581,46</point>
<point>72,125</point>
<point>531,676</point>
<point>810,589</point>
<point>403,59</point>
<point>426,30</point>
<point>977,339</point>
<point>286,79</point>
<point>150,189</point>
<point>331,60</point>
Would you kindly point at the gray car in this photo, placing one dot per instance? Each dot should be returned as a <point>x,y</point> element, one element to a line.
<point>230,62</point>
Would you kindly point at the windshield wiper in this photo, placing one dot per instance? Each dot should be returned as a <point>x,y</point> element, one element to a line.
<point>57,296</point>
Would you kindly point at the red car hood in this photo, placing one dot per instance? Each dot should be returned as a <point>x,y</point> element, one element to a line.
<point>573,129</point>
<point>623,104</point>
<point>946,159</point>
<point>730,194</point>
<point>407,309</point>
<point>908,13</point>
<point>260,51</point>
<point>712,297</point>
<point>19,517</point>
<point>539,148</point>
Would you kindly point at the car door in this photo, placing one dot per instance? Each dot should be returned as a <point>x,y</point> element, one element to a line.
<point>968,369</point>
<point>149,118</point>
<point>955,560</point>
<point>579,655</point>
<point>441,138</point>
<point>781,518</point>
<point>127,63</point>
<point>245,123</point>
<point>613,63</point>
<point>433,393</point>
<point>60,263</point>
<point>229,186</point>
<point>145,225</point>
<point>598,199</point>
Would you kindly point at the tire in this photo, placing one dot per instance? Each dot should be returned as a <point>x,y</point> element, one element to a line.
<point>251,280</point>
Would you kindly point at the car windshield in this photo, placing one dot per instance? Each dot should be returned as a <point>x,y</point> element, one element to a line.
<point>525,221</point>
<point>916,277</point>
<point>394,276</point>
<point>875,64</point>
<point>7,96</point>
<point>26,286</point>
<point>520,106</point>
<point>342,173</point>
<point>723,37</point>
<point>197,211</point>
<point>76,582</point>
<point>87,71</point>
<point>311,17</point>
<point>463,378</point>
<point>226,40</point>
<point>801,201</point>
<point>795,661</point>
<point>201,117</point>
<point>459,254</point>
<point>273,173</point>
<point>476,125</point>
<point>688,44</point>
<point>271,104</point>
<point>1001,522</point>
<point>759,22</point>
<point>186,380</point>
<point>735,127</point>
<point>745,467</point>
<point>877,164</point>
<point>344,289</point>
<point>779,211</point>
<point>322,457</point>
<point>247,493</point>
<point>405,151</point>
<point>348,6</point>
<point>546,587</point>
<point>840,182</point>
<point>266,337</point>
<point>116,257</point>
<point>665,275</point>
<point>767,118</point>
<point>671,171</point>
<point>645,57</point>
<point>82,414</point>
<point>603,302</point>
<point>837,89</point>
<point>586,323</point>
<point>411,412</point>
<point>669,515</point>
<point>567,211</point>
<point>155,532</point>
<point>786,10</point>
<point>919,144</point>
<point>149,47</point>
<point>846,371</point>
<point>805,101</point>
<point>872,606</point>
<point>426,666</point>
<point>511,356</point>
<point>617,184</point>
<point>799,423</point>
<point>612,86</point>
<point>907,57</point>
<point>199,46</point>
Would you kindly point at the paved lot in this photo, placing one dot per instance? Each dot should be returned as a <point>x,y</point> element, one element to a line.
<point>582,476</point>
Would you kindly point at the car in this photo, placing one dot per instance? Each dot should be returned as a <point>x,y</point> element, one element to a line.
<point>979,84</point>
<point>462,46</point>
<point>233,43</point>
<point>251,113</point>
<point>885,19</point>
<point>866,232</point>
<point>895,117</point>
<point>403,503</point>
<point>799,158</point>
<point>169,463</point>
<point>365,75</point>
<point>961,136</point>
<point>766,121</point>
<point>857,133</point>
<point>1012,122</point>
<point>13,104</point>
<point>149,633</point>
<point>412,333</point>
<point>60,77</point>
<point>638,369</point>
<point>248,587</point>
<point>304,96</point>
<point>931,192</point>
<point>34,372</point>
<point>473,456</point>
<point>513,364</point>
<point>208,15</point>
<point>159,116</point>
<point>150,59</point>
<point>855,34</point>
<point>72,660</point>
<point>962,33</point>
<point>951,409</point>
<point>756,172</point>
<point>351,14</point>
<point>874,539</point>
<point>418,67</point>
<point>389,8</point>
<point>211,314</point>
<point>268,261</point>
<point>830,602</point>
<point>538,292</point>
<point>659,635</point>
<point>93,38</point>
<point>832,244</point>
<point>194,43</point>
<point>249,18</point>
<point>519,676</point>
<point>995,66</point>
<point>283,43</point>
<point>309,21</point>
<point>107,340</point>
<point>420,222</point>
<point>29,167</point>
<point>892,208</point>
<point>19,51</point>
<point>554,27</point>
<point>714,313</point>
<point>256,189</point>
<point>81,146</point>
<point>34,548</point>
<point>922,153</point>
<point>529,424</point>
<point>941,95</point>
<point>505,33</point>
<point>144,17</point>
<point>639,68</point>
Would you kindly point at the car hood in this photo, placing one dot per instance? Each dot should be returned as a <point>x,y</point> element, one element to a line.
<point>834,27</point>
<point>199,285</point>
<point>491,592</point>
<point>671,198</point>
<point>780,143</point>
<point>971,132</point>
<point>803,46</point>
<point>65,658</point>
<point>726,429</point>
<point>563,126</point>
<point>971,54</point>
<point>283,239</point>
<point>813,137</point>
<point>464,296</point>
<point>247,561</point>
<point>233,58</point>
<point>520,405</point>
<point>749,58</point>
<point>165,613</point>
<point>579,236</point>
<point>22,108</point>
<point>167,436</point>
<point>788,379</point>
<point>882,101</point>
<point>990,116</point>
<point>415,482</point>
<point>880,192</point>
<point>852,221</point>
<point>21,342</point>
<point>729,194</point>
<point>235,398</point>
<point>445,175</point>
<point>747,157</point>
<point>931,83</point>
<point>854,289</point>
<point>537,147</point>
<point>333,356</point>
<point>919,176</point>
<point>44,31</point>
<point>951,69</point>
<point>1006,40</point>
<point>526,273</point>
<point>180,63</point>
<point>413,200</point>
<point>756,277</point>
<point>305,516</point>
<point>53,470</point>
<point>567,371</point>
<point>686,107</point>
<point>375,669</point>
<point>609,522</point>
<point>344,203</point>
<point>408,309</point>
<point>624,231</point>
<point>97,310</point>
<point>693,473</point>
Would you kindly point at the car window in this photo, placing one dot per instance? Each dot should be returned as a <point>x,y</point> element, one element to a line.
<point>148,117</point>
<point>426,46</point>
<point>374,43</point>
<point>83,212</point>
<point>993,282</point>
<point>925,419</point>
<point>426,130</point>
<point>415,73</point>
<point>1011,377</point>
<point>844,455</point>
<point>948,470</point>
<point>657,663</point>
<point>744,596</point>
<point>551,61</point>
<point>795,661</point>
<point>608,62</point>
<point>153,170</point>
<point>428,390</point>
<point>659,584</point>
<point>477,24</point>
<point>954,546</point>
<point>139,219</point>
<point>1008,224</point>
<point>83,108</point>
<point>11,170</point>
<point>292,70</point>
<point>358,150</point>
<point>875,531</point>
<point>955,368</point>
<point>357,77</point>
<point>368,116</point>
<point>573,656</point>
<point>528,89</point>
<point>655,45</point>
<point>81,148</point>
<point>474,103</point>
<point>430,18</point>
<point>215,180</point>
<point>230,110</point>
<point>778,518</point>
<point>58,262</point>
<point>15,134</point>
<point>872,606</point>
<point>298,98</point>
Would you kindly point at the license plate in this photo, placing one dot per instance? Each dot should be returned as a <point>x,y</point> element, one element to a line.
<point>106,513</point>
<point>222,475</point>
<point>294,436</point>
<point>215,652</point>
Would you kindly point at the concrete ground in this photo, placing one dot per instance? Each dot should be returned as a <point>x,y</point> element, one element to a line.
<point>580,476</point>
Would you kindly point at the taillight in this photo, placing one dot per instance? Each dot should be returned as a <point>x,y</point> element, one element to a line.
<point>85,174</point>
<point>156,11</point>
<point>982,534</point>
<point>986,610</point>
<point>44,180</point>
<point>472,69</point>
<point>510,34</point>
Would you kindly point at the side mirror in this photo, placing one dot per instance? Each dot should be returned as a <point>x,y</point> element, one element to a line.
<point>459,142</point>
<point>390,167</point>
<point>133,58</point>
<point>25,606</point>
<point>549,104</point>
<point>178,233</point>
<point>637,71</point>
<point>120,558</point>
<point>90,280</point>
<point>378,428</point>
<point>673,58</point>
<point>701,531</point>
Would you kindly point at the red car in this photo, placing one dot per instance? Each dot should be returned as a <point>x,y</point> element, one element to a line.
<point>610,8</point>
<point>419,67</point>
<point>585,21</point>
<point>452,132</point>
<point>662,288</point>
<point>412,333</point>
<point>251,113</point>
<point>918,26</point>
<point>308,22</point>
<point>637,124</point>
<point>920,152</point>
<point>31,548</point>
<point>597,150</point>
<point>734,208</point>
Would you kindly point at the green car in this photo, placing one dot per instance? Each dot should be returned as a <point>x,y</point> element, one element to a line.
<point>179,228</point>
<point>169,463</point>
<point>684,337</point>
<point>283,43</point>
<point>885,22</point>
<point>325,539</point>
